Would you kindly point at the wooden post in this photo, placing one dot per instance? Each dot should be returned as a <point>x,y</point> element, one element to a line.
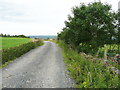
<point>118,48</point>
<point>105,52</point>
<point>98,52</point>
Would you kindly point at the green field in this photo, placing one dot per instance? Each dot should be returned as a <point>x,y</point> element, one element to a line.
<point>8,42</point>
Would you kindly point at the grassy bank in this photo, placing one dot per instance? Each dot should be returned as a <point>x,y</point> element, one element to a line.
<point>88,73</point>
<point>8,42</point>
<point>9,54</point>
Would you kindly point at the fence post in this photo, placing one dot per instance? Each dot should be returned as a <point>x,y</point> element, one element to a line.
<point>105,52</point>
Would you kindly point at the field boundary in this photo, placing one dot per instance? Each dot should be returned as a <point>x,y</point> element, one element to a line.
<point>12,53</point>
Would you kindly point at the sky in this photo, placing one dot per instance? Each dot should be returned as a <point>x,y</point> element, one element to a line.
<point>38,17</point>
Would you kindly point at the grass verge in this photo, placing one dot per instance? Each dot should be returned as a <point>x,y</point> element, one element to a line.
<point>88,73</point>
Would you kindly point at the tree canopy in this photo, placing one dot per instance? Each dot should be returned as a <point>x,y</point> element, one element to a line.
<point>90,26</point>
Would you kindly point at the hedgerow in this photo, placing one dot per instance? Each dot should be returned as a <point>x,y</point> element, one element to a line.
<point>88,73</point>
<point>14,52</point>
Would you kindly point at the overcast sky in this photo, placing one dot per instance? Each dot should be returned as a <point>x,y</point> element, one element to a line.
<point>38,17</point>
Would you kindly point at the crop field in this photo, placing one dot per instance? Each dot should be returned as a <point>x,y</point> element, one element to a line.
<point>8,42</point>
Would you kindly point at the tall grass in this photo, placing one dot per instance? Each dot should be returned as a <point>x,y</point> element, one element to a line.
<point>88,73</point>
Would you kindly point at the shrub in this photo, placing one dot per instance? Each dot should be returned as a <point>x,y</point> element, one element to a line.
<point>14,52</point>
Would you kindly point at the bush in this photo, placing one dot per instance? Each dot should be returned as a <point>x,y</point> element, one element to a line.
<point>14,52</point>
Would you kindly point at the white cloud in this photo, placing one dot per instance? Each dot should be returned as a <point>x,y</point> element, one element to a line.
<point>28,28</point>
<point>36,17</point>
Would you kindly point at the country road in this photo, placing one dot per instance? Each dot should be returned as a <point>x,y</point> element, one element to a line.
<point>42,67</point>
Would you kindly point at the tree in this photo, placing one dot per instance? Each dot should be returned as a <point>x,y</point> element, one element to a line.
<point>91,26</point>
<point>1,35</point>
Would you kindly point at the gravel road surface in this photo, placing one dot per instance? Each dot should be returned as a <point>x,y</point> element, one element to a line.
<point>42,67</point>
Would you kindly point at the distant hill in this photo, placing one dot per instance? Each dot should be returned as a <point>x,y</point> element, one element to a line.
<point>44,36</point>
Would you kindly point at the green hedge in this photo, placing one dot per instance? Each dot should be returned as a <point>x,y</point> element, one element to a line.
<point>14,52</point>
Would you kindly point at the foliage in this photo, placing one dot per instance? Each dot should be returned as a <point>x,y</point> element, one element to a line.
<point>14,52</point>
<point>112,50</point>
<point>87,30</point>
<point>88,73</point>
<point>7,35</point>
<point>90,27</point>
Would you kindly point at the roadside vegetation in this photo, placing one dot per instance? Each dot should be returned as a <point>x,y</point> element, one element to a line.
<point>91,45</point>
<point>13,48</point>
<point>88,72</point>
